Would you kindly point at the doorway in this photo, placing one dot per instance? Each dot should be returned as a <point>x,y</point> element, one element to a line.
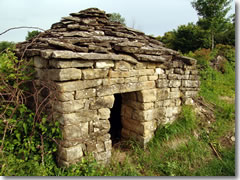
<point>115,119</point>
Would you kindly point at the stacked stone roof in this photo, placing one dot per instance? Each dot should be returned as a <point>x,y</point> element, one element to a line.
<point>90,35</point>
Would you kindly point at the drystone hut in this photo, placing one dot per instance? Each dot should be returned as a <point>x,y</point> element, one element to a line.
<point>112,81</point>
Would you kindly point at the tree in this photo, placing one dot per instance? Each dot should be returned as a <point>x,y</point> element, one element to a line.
<point>6,44</point>
<point>212,13</point>
<point>116,17</point>
<point>32,34</point>
<point>186,38</point>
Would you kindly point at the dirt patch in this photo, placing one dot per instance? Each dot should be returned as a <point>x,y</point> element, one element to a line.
<point>228,99</point>
<point>175,143</point>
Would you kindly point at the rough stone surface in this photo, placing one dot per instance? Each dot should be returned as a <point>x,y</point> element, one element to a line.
<point>90,59</point>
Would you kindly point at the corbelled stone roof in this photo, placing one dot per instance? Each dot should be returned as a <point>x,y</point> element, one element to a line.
<point>90,35</point>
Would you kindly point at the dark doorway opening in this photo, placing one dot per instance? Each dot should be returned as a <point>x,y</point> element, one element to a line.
<point>115,119</point>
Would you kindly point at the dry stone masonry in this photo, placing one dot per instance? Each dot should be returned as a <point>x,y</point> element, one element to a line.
<point>90,59</point>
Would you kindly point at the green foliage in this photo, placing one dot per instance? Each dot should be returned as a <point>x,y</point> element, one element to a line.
<point>116,17</point>
<point>189,38</point>
<point>5,45</point>
<point>184,124</point>
<point>32,34</point>
<point>12,69</point>
<point>212,15</point>
<point>186,38</point>
<point>216,167</point>
<point>27,139</point>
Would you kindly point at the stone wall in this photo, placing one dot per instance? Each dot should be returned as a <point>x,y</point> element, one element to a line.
<point>90,58</point>
<point>152,94</point>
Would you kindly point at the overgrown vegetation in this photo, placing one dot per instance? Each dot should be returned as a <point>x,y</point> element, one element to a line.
<point>213,27</point>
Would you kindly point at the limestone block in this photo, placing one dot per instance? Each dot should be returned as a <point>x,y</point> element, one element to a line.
<point>64,74</point>
<point>177,64</point>
<point>169,102</point>
<point>143,78</point>
<point>178,71</point>
<point>174,83</point>
<point>146,115</point>
<point>194,72</point>
<point>76,118</point>
<point>41,74</point>
<point>102,102</point>
<point>87,103</point>
<point>105,124</point>
<point>104,113</point>
<point>100,147</point>
<point>173,95</point>
<point>86,93</point>
<point>159,71</point>
<point>78,85</point>
<point>140,66</point>
<point>67,96</point>
<point>131,79</point>
<point>162,76</point>
<point>193,77</point>
<point>188,101</point>
<point>71,154</point>
<point>149,127</point>
<point>147,95</point>
<point>39,62</point>
<point>153,78</point>
<point>186,72</point>
<point>133,125</point>
<point>174,89</point>
<point>170,111</point>
<point>145,72</point>
<point>144,129</point>
<point>185,76</point>
<point>71,132</point>
<point>109,90</point>
<point>104,138</point>
<point>158,104</point>
<point>162,83</point>
<point>102,156</point>
<point>111,81</point>
<point>122,66</point>
<point>126,111</point>
<point>151,65</point>
<point>94,73</point>
<point>104,64</point>
<point>163,94</point>
<point>147,85</point>
<point>190,83</point>
<point>128,87</point>
<point>139,105</point>
<point>119,74</point>
<point>178,102</point>
<point>190,93</point>
<point>174,76</point>
<point>134,73</point>
<point>69,106</point>
<point>108,145</point>
<point>169,71</point>
<point>70,64</point>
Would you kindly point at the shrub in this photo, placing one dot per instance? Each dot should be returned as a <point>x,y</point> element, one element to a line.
<point>27,137</point>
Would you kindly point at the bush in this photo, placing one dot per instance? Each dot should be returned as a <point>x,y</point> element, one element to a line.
<point>27,137</point>
<point>5,45</point>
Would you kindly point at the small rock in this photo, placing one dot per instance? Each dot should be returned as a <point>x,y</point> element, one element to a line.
<point>233,138</point>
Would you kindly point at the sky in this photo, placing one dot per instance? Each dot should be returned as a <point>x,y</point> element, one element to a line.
<point>153,17</point>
